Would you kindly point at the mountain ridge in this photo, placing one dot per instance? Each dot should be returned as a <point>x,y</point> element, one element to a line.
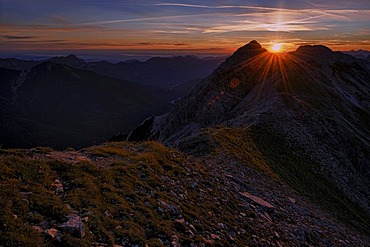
<point>312,101</point>
<point>157,71</point>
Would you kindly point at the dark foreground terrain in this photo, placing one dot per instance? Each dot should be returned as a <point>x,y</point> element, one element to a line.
<point>128,194</point>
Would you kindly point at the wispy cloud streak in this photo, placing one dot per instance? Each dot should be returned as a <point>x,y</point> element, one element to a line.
<point>207,24</point>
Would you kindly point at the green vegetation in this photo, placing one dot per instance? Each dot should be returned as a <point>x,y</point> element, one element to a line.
<point>136,198</point>
<point>106,151</point>
<point>239,144</point>
<point>26,196</point>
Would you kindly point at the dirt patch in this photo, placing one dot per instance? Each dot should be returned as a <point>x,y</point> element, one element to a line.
<point>69,157</point>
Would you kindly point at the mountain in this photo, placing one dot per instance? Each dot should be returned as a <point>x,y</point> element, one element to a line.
<point>17,64</point>
<point>65,101</point>
<point>59,106</point>
<point>165,73</point>
<point>362,54</point>
<point>176,74</point>
<point>271,151</point>
<point>303,117</point>
<point>70,60</point>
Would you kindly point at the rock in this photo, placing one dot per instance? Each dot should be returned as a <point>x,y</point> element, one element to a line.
<point>192,228</point>
<point>54,233</point>
<point>266,216</point>
<point>222,225</point>
<point>74,226</point>
<point>174,209</point>
<point>257,200</point>
<point>175,241</point>
<point>214,236</point>
<point>191,234</point>
<point>292,200</point>
<point>58,187</point>
<point>182,220</point>
<point>38,228</point>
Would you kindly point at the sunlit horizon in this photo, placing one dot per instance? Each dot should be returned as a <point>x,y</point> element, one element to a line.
<point>180,27</point>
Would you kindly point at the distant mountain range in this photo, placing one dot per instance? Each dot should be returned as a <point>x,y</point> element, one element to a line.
<point>362,54</point>
<point>158,72</point>
<point>65,101</point>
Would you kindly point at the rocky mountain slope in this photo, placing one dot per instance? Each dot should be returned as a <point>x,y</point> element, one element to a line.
<point>144,194</point>
<point>306,113</point>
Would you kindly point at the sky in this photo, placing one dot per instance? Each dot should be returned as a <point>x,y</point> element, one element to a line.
<point>180,27</point>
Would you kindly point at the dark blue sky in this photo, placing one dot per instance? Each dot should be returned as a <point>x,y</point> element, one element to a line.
<point>212,27</point>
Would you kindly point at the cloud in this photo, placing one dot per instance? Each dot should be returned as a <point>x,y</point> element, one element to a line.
<point>146,24</point>
<point>161,43</point>
<point>15,37</point>
<point>169,17</point>
<point>217,7</point>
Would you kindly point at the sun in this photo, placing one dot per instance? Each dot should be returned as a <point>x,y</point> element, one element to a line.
<point>276,47</point>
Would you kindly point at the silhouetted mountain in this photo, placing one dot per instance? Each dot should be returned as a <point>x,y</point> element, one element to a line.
<point>70,60</point>
<point>56,105</point>
<point>158,72</point>
<point>306,113</point>
<point>176,74</point>
<point>17,64</point>
<point>363,54</point>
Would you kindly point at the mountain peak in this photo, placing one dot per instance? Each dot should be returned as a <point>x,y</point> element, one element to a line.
<point>72,56</point>
<point>71,60</point>
<point>314,49</point>
<point>254,44</point>
<point>251,49</point>
<point>321,53</point>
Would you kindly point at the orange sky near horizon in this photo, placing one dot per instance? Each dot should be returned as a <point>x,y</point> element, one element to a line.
<point>182,27</point>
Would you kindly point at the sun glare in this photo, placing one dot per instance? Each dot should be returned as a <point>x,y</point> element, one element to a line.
<point>276,47</point>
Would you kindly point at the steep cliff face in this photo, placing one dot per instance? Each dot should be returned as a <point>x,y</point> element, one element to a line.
<point>312,105</point>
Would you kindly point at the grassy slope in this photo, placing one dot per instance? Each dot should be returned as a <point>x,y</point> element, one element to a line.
<point>268,152</point>
<point>121,197</point>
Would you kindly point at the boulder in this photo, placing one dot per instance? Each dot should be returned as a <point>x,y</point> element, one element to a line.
<point>74,226</point>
